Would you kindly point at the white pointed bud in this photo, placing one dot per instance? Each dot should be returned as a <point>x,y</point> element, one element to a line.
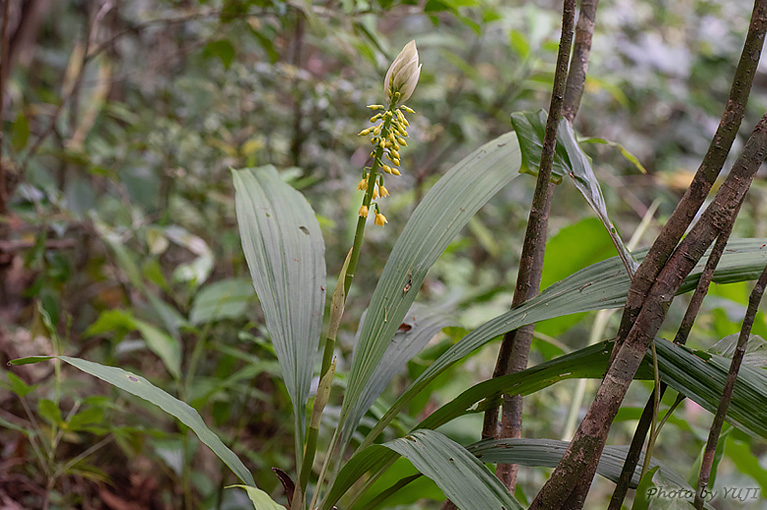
<point>402,75</point>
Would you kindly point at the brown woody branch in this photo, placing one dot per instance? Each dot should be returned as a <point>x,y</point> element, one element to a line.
<point>568,485</point>
<point>4,69</point>
<point>515,347</point>
<point>724,403</point>
<point>579,64</point>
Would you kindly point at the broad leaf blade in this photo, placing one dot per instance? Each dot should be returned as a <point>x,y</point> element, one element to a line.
<point>548,452</point>
<point>167,348</point>
<point>586,363</point>
<point>224,299</point>
<point>446,209</point>
<point>530,128</point>
<point>260,499</point>
<point>285,252</point>
<point>700,376</point>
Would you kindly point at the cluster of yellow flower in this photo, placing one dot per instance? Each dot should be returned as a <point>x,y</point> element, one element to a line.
<point>390,132</point>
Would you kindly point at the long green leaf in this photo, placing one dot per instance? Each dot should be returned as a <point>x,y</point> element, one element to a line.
<point>260,499</point>
<point>463,478</point>
<point>583,176</point>
<point>548,452</point>
<point>685,370</point>
<point>285,252</point>
<point>587,363</point>
<point>447,207</point>
<point>600,286</point>
<point>140,387</point>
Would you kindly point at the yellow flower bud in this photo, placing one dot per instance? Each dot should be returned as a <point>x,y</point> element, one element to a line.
<point>376,106</point>
<point>363,185</point>
<point>375,193</point>
<point>402,141</point>
<point>364,132</point>
<point>387,169</point>
<point>394,171</point>
<point>384,191</point>
<point>363,212</point>
<point>407,109</point>
<point>380,219</point>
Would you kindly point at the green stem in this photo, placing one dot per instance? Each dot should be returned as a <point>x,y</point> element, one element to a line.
<point>330,342</point>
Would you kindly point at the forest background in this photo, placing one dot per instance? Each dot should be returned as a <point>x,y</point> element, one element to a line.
<point>121,121</point>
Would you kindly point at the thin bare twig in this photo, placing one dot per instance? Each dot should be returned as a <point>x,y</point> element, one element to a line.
<point>515,347</point>
<point>724,403</point>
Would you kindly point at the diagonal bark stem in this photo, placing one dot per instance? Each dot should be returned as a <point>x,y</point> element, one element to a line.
<point>724,403</point>
<point>707,173</point>
<point>568,485</point>
<point>632,457</point>
<point>579,64</point>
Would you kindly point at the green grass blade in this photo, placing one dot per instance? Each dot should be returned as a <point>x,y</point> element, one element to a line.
<point>283,245</point>
<point>446,209</point>
<point>140,387</point>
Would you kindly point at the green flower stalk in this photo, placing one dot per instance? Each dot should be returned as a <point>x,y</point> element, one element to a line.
<point>387,135</point>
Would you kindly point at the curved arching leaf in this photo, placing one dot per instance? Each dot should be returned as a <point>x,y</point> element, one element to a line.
<point>140,387</point>
<point>600,286</point>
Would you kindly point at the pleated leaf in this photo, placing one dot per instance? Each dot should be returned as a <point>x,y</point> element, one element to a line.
<point>584,179</point>
<point>543,453</point>
<point>697,374</point>
<point>600,286</point>
<point>285,253</point>
<point>140,387</point>
<point>419,326</point>
<point>700,376</point>
<point>548,452</point>
<point>587,363</point>
<point>530,128</point>
<point>460,475</point>
<point>446,209</point>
